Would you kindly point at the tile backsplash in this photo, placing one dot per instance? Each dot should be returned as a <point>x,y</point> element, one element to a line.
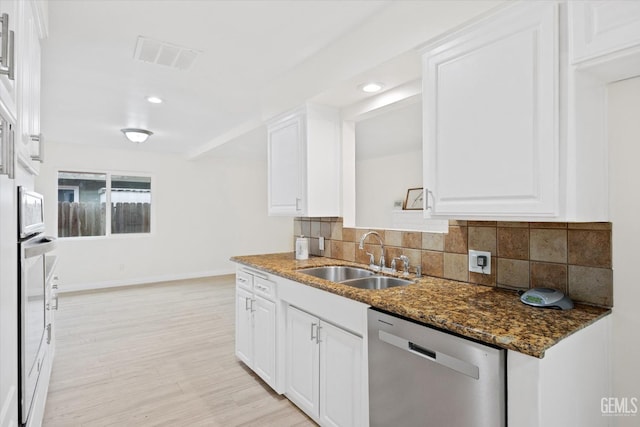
<point>572,257</point>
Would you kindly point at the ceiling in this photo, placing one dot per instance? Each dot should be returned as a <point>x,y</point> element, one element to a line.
<point>255,59</point>
<point>92,86</point>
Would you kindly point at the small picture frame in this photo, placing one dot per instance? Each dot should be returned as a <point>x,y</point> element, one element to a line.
<point>414,199</point>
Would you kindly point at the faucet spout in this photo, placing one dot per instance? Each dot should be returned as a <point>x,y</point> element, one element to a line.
<point>374,233</point>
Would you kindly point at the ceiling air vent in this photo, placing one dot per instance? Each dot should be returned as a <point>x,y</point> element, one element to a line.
<point>163,53</point>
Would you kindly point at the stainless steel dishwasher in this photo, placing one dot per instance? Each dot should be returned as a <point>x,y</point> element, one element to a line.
<point>421,376</point>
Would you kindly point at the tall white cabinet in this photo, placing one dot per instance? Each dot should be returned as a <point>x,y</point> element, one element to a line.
<point>304,162</point>
<point>8,305</point>
<point>26,27</point>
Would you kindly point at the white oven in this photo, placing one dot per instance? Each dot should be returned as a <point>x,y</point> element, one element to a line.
<point>33,246</point>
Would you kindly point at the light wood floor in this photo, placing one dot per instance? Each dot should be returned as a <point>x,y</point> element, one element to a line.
<point>157,355</point>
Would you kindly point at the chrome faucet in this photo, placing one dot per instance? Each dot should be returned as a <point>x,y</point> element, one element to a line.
<point>382,260</point>
<point>405,264</point>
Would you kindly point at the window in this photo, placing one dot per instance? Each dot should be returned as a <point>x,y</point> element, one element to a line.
<point>83,198</point>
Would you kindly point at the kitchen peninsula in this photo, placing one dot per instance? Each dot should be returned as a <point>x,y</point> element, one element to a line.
<point>547,350</point>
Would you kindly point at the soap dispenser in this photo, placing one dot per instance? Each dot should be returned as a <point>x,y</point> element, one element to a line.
<point>302,247</point>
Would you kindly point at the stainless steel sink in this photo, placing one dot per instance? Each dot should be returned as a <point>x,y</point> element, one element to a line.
<point>377,282</point>
<point>337,273</point>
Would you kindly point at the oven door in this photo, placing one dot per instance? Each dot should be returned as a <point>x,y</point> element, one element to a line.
<point>32,316</point>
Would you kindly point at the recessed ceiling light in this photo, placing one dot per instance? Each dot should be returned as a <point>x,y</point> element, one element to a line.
<point>371,87</point>
<point>154,99</point>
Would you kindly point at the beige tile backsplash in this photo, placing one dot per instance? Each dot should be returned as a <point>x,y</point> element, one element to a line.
<point>574,258</point>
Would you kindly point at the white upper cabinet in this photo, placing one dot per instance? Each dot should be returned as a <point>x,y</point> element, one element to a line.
<point>490,97</point>
<point>512,129</point>
<point>599,28</point>
<point>304,162</point>
<point>28,141</point>
<point>8,89</point>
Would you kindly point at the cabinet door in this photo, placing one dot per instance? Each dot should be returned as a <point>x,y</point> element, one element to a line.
<point>8,88</point>
<point>29,90</point>
<point>302,377</point>
<point>341,388</point>
<point>244,326</point>
<point>286,167</point>
<point>601,27</point>
<point>264,340</point>
<point>490,95</point>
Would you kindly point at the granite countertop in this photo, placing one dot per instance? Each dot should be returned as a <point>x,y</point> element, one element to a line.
<point>492,315</point>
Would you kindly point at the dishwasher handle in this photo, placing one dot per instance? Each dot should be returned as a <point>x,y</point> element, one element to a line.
<point>425,351</point>
<point>443,359</point>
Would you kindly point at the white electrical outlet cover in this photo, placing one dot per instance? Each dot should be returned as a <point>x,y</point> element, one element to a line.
<point>321,243</point>
<point>473,262</point>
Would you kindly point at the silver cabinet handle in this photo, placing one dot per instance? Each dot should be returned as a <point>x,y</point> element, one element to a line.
<point>48,335</point>
<point>4,59</point>
<point>262,288</point>
<point>55,307</point>
<point>40,140</point>
<point>12,56</point>
<point>318,334</point>
<point>7,147</point>
<point>251,305</point>
<point>314,337</point>
<point>427,192</point>
<point>54,286</point>
<point>7,60</point>
<point>242,280</point>
<point>246,304</point>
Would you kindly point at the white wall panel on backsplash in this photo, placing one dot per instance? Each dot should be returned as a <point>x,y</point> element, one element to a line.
<point>205,212</point>
<point>373,180</point>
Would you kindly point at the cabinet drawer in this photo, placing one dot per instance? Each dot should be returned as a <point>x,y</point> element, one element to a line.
<point>264,288</point>
<point>244,280</point>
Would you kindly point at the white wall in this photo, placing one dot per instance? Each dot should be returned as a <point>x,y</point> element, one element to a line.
<point>624,178</point>
<point>204,212</point>
<point>388,162</point>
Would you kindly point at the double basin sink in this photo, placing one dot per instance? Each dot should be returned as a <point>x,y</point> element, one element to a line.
<point>355,277</point>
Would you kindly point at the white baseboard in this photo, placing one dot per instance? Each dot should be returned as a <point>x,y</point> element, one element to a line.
<point>141,280</point>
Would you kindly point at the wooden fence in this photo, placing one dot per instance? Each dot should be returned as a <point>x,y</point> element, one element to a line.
<point>89,219</point>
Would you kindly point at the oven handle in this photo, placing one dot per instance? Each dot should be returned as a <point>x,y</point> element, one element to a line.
<point>42,246</point>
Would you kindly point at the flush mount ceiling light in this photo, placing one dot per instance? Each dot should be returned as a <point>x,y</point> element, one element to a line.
<point>136,135</point>
<point>154,99</point>
<point>371,87</point>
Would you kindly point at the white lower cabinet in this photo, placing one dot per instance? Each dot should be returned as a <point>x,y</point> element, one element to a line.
<point>264,339</point>
<point>256,324</point>
<point>324,365</point>
<point>340,379</point>
<point>303,366</point>
<point>244,326</point>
